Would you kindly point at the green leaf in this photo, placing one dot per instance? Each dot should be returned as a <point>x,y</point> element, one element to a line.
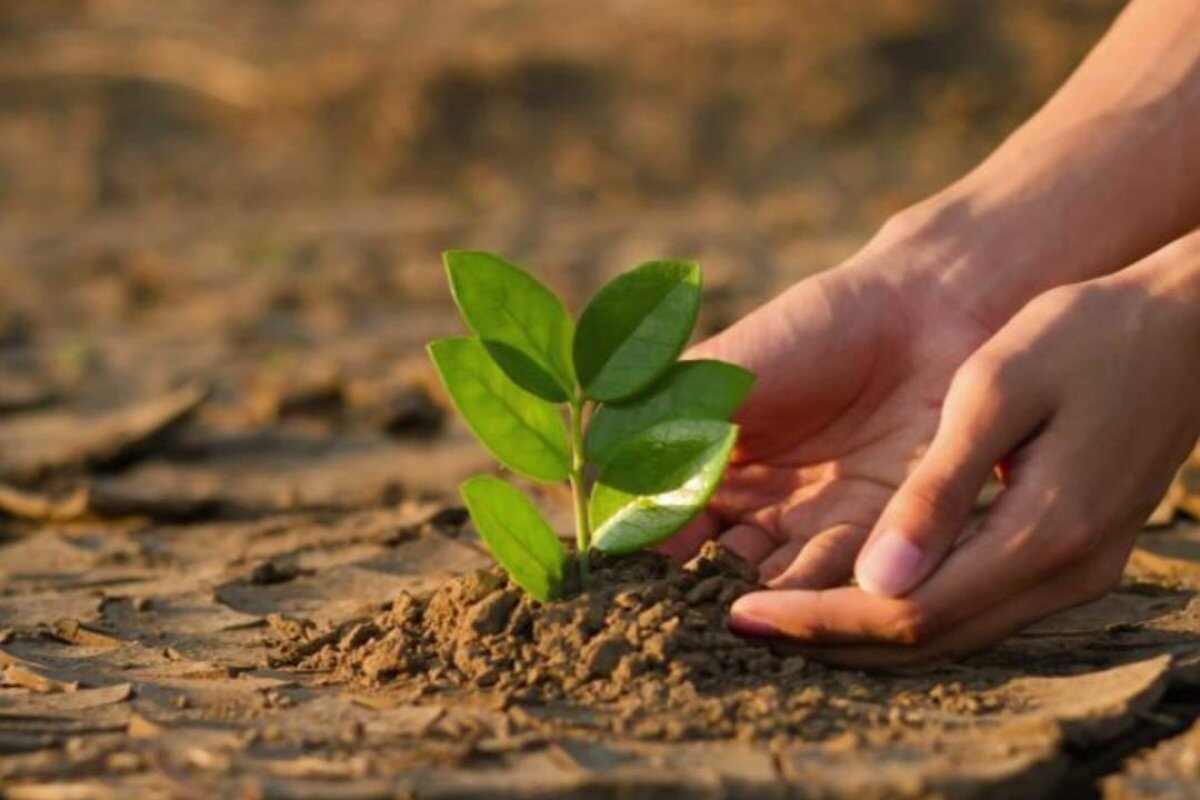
<point>523,432</point>
<point>635,327</point>
<point>656,482</point>
<point>705,389</point>
<point>522,323</point>
<point>516,535</point>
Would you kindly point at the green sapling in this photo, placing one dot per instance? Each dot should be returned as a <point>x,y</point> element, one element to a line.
<point>641,438</point>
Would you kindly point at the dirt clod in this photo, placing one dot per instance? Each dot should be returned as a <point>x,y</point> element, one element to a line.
<point>412,413</point>
<point>490,615</point>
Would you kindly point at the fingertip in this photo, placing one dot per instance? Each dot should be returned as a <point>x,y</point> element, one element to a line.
<point>752,615</point>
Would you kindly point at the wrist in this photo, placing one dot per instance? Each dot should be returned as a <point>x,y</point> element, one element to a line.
<point>1047,209</point>
<point>1156,302</point>
<point>966,248</point>
<point>1170,276</point>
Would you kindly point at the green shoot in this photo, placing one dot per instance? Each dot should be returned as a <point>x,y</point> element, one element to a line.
<point>555,402</point>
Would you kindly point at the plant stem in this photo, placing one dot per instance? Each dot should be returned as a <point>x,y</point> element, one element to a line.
<point>583,531</point>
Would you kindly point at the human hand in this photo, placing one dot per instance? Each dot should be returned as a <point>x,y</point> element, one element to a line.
<point>1088,399</point>
<point>852,366</point>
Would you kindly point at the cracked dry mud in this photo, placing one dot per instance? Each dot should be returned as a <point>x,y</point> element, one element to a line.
<point>335,653</point>
<point>357,642</point>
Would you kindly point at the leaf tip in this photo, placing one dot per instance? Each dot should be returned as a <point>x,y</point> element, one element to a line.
<point>449,259</point>
<point>465,487</point>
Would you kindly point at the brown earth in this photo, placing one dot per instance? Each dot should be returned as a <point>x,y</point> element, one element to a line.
<point>329,652</point>
<point>226,474</point>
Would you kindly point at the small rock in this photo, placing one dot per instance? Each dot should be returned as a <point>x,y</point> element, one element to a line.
<point>732,591</point>
<point>603,654</point>
<point>713,559</point>
<point>290,628</point>
<point>705,590</point>
<point>627,599</point>
<point>405,609</point>
<point>318,395</point>
<point>490,615</point>
<point>449,519</point>
<point>412,413</point>
<point>382,663</point>
<point>629,668</point>
<point>792,666</point>
<point>656,647</point>
<point>593,619</point>
<point>480,584</point>
<point>124,762</point>
<point>268,573</point>
<point>358,635</point>
<point>651,618</point>
<point>655,593</point>
<point>699,663</point>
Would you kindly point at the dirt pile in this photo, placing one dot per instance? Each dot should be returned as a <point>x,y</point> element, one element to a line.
<point>644,652</point>
<point>646,642</point>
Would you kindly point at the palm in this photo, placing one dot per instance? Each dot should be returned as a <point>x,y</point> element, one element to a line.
<point>851,376</point>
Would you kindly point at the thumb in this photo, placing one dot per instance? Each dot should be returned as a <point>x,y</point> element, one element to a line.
<point>987,415</point>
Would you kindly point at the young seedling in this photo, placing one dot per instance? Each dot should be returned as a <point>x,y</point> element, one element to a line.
<point>657,437</point>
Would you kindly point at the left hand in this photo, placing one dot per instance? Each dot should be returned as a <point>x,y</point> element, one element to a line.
<point>1087,401</point>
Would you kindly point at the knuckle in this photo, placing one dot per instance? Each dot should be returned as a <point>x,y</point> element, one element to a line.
<point>935,497</point>
<point>1078,296</point>
<point>985,374</point>
<point>1099,579</point>
<point>978,372</point>
<point>1072,542</point>
<point>1060,297</point>
<point>910,624</point>
<point>904,225</point>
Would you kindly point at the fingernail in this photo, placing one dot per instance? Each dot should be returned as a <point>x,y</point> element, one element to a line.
<point>746,624</point>
<point>889,565</point>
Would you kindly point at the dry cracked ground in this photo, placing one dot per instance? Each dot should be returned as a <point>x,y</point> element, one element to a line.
<point>179,499</point>
<point>225,470</point>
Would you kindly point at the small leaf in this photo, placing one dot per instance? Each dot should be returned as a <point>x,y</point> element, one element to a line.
<point>705,389</point>
<point>657,482</point>
<point>516,535</point>
<point>635,327</point>
<point>522,323</point>
<point>523,432</point>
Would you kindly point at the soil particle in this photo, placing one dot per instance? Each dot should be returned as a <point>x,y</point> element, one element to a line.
<point>411,412</point>
<point>490,615</point>
<point>602,654</point>
<point>269,573</point>
<point>449,520</point>
<point>358,635</point>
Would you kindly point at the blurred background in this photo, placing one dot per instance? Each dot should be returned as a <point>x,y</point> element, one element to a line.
<point>254,193</point>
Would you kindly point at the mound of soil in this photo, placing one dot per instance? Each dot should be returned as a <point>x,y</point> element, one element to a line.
<point>645,651</point>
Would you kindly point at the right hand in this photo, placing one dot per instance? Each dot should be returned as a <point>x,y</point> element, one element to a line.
<point>852,366</point>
